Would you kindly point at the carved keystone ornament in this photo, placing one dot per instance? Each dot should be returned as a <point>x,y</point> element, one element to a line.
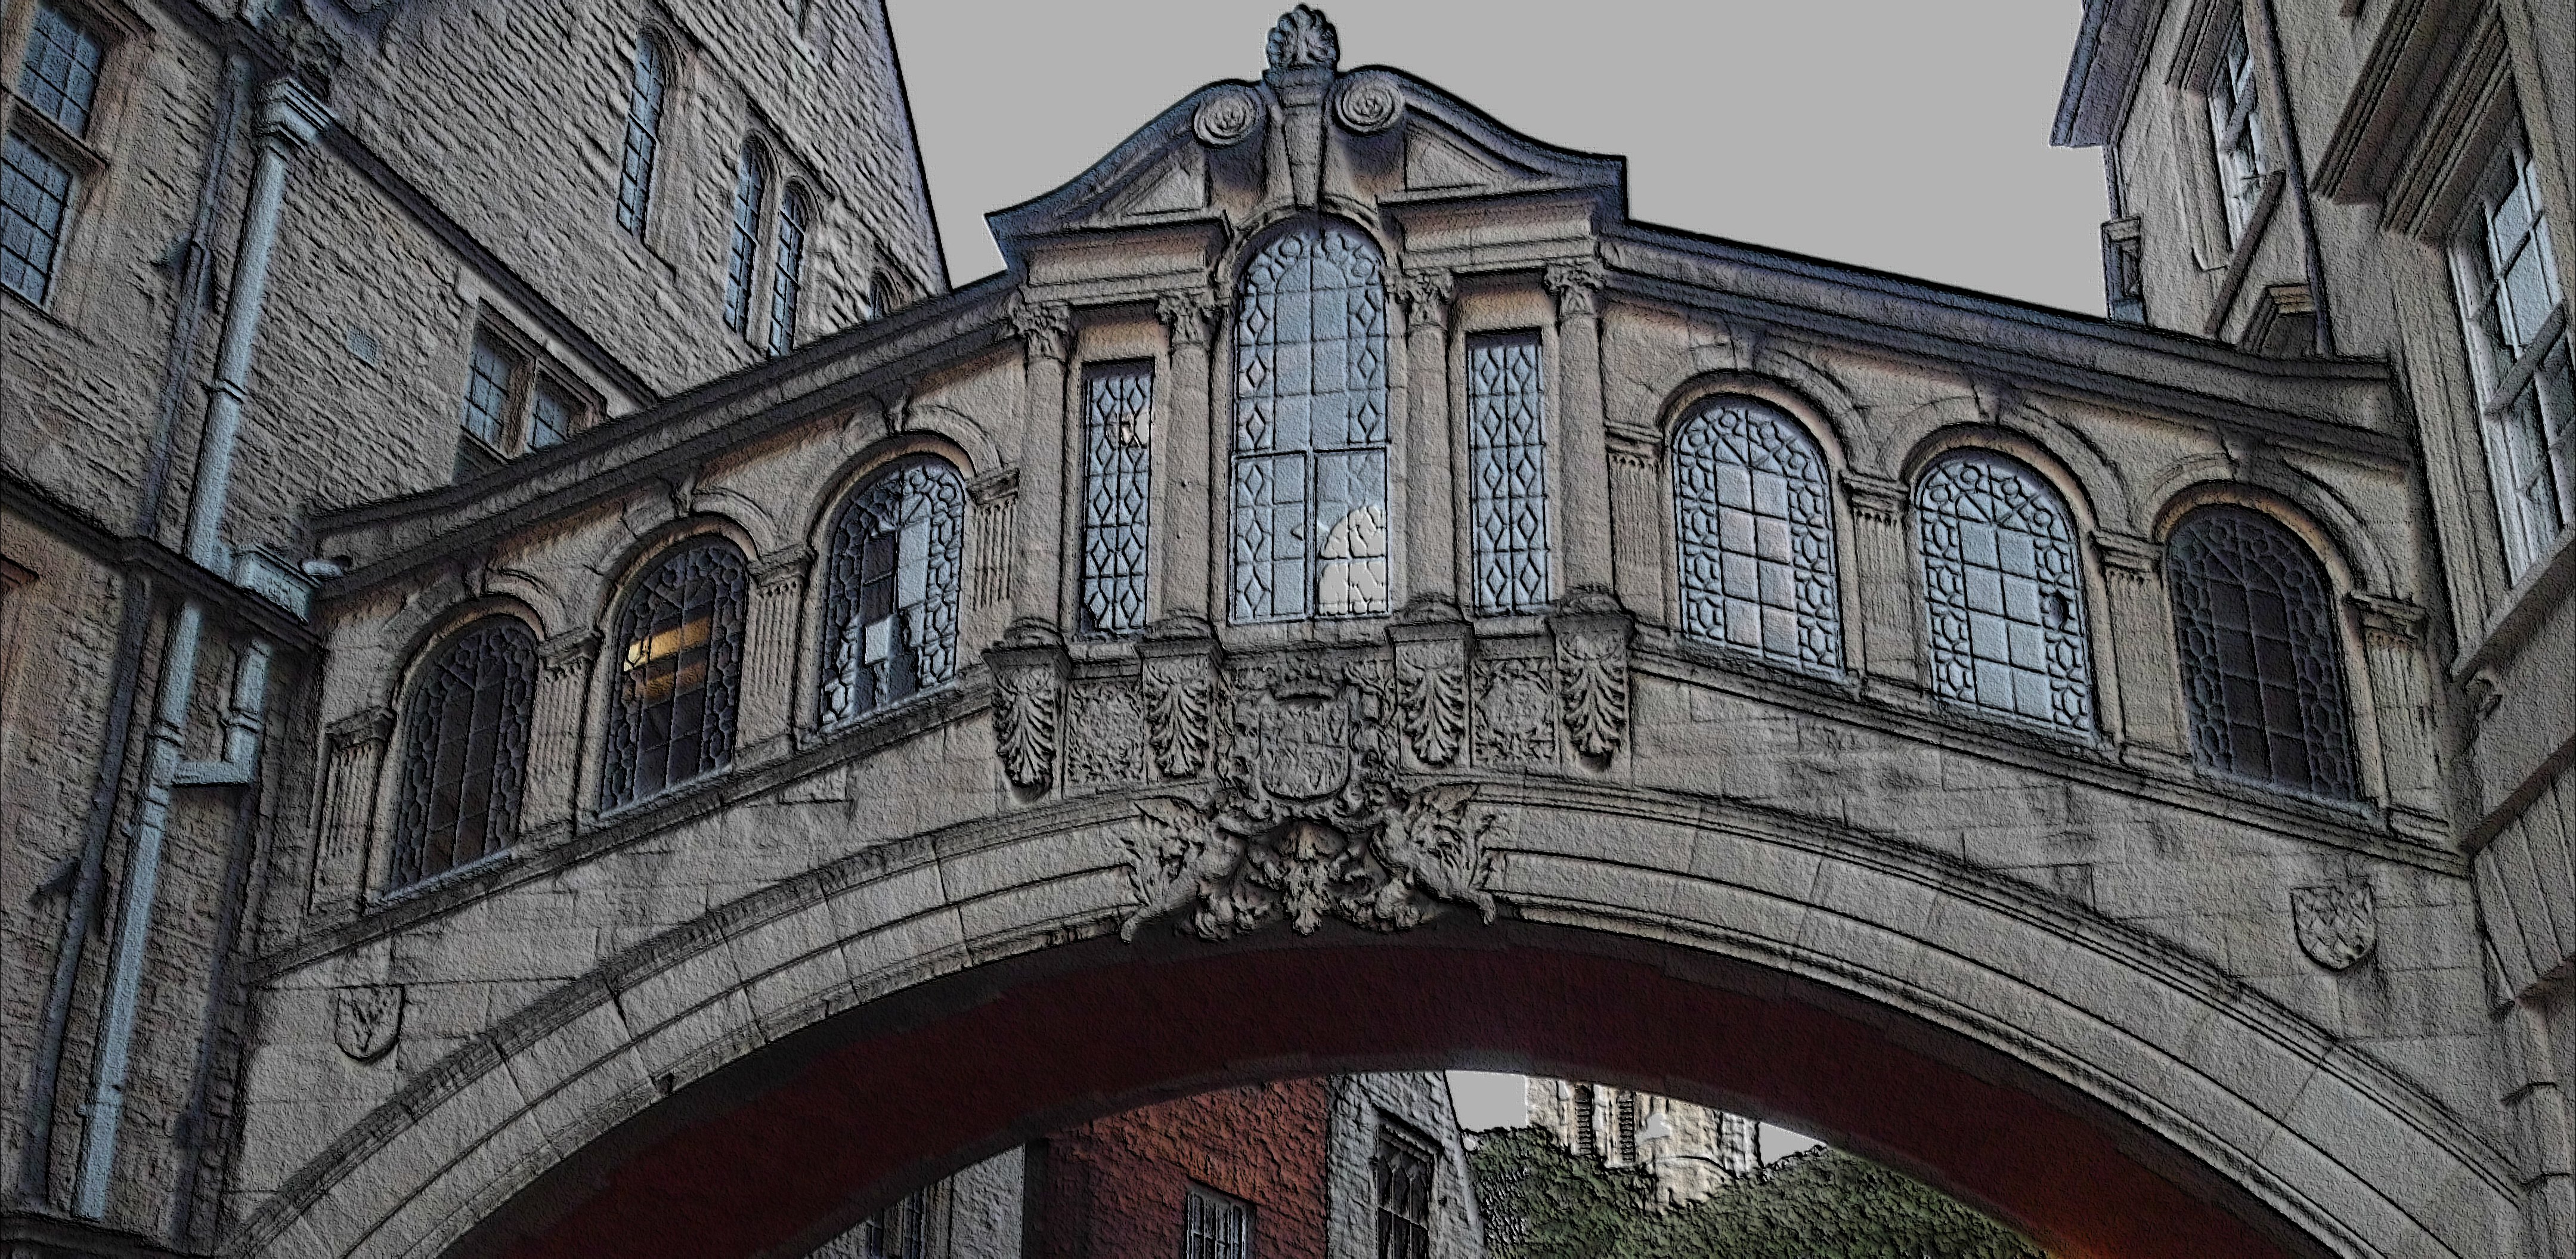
<point>1307,819</point>
<point>2336,923</point>
<point>366,1019</point>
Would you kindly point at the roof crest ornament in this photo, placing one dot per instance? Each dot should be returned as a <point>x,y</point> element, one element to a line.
<point>1302,39</point>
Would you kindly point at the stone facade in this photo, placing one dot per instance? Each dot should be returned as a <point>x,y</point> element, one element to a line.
<point>1691,1151</point>
<point>1465,715</point>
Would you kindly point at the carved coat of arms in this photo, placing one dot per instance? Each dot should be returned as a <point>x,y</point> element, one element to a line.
<point>1308,821</point>
<point>366,1019</point>
<point>2335,922</point>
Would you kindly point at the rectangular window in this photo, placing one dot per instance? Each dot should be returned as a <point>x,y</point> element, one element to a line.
<point>60,73</point>
<point>551,414</point>
<point>2236,132</point>
<point>35,192</point>
<point>2515,320</point>
<point>1403,1173</point>
<point>515,402</point>
<point>1215,1226</point>
<point>1117,474</point>
<point>1507,472</point>
<point>487,393</point>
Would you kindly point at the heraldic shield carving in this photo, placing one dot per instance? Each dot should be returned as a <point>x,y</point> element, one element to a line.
<point>1308,819</point>
<point>2336,923</point>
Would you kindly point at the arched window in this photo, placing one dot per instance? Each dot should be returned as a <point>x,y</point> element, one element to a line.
<point>2002,592</point>
<point>890,590</point>
<point>467,757</point>
<point>1310,519</point>
<point>1117,480</point>
<point>750,190</point>
<point>679,672</point>
<point>649,89</point>
<point>1753,523</point>
<point>791,269</point>
<point>2262,673</point>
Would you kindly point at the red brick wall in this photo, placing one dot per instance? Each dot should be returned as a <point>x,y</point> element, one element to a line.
<point>1114,1188</point>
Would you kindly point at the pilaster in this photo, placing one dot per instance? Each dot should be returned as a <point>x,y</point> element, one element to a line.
<point>1183,468</point>
<point>554,744</point>
<point>1432,539</point>
<point>769,655</point>
<point>2401,690</point>
<point>2151,719</point>
<point>1888,616</point>
<point>1584,477</point>
<point>1046,333</point>
<point>354,762</point>
<point>1640,520</point>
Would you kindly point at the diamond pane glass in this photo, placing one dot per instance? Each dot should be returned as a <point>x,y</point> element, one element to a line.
<point>34,191</point>
<point>2002,592</point>
<point>2262,673</point>
<point>1754,529</point>
<point>679,673</point>
<point>791,268</point>
<point>1507,473</point>
<point>890,589</point>
<point>60,74</point>
<point>467,757</point>
<point>1310,520</point>
<point>643,132</point>
<point>750,185</point>
<point>1117,469</point>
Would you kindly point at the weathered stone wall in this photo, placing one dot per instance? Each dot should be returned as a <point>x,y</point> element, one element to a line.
<point>1116,1186</point>
<point>1420,1101</point>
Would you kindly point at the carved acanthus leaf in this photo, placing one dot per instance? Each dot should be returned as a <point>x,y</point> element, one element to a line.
<point>1592,633</point>
<point>1431,698</point>
<point>1028,668</point>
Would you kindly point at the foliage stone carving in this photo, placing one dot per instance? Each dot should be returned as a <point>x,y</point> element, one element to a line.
<point>1592,632</point>
<point>1180,701</point>
<point>1308,821</point>
<point>1107,725</point>
<point>1303,39</point>
<point>1028,692</point>
<point>366,1019</point>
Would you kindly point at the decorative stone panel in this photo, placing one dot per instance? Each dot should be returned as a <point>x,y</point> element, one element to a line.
<point>1178,683</point>
<point>1029,667</point>
<point>1592,632</point>
<point>1105,735</point>
<point>1430,641</point>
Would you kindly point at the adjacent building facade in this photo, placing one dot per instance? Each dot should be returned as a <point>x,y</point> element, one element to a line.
<point>1692,1151</point>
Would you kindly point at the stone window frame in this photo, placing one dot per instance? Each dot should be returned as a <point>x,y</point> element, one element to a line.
<point>382,794</point>
<point>745,234</point>
<point>1395,1136</point>
<point>2335,704</point>
<point>1477,327</point>
<point>1821,437</point>
<point>639,559</point>
<point>534,375</point>
<point>2543,360</point>
<point>812,632</point>
<point>825,636</point>
<point>660,135</point>
<point>417,675</point>
<point>791,252</point>
<point>89,157</point>
<point>1088,586</point>
<point>2228,229</point>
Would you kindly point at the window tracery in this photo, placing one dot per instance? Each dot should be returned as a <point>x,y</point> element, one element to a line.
<point>679,672</point>
<point>1754,526</point>
<point>1117,458</point>
<point>1309,498</point>
<point>466,762</point>
<point>1507,473</point>
<point>2262,671</point>
<point>2003,593</point>
<point>890,587</point>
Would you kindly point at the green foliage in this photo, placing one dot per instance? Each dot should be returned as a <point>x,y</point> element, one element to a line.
<point>1541,1202</point>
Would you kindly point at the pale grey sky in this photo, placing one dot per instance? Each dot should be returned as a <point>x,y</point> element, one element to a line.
<point>1904,135</point>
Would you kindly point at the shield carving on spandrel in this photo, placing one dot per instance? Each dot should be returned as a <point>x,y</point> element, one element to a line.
<point>2336,924</point>
<point>1304,743</point>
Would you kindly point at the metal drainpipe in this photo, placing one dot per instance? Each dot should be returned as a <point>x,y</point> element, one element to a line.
<point>290,118</point>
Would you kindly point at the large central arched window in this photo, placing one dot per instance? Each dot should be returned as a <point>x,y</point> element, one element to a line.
<point>1310,518</point>
<point>2262,672</point>
<point>1753,526</point>
<point>2003,592</point>
<point>890,589</point>
<point>467,758</point>
<point>679,672</point>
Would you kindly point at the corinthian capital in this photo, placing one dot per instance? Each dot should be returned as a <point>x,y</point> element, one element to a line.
<point>1426,296</point>
<point>1577,284</point>
<point>1190,314</point>
<point>1046,327</point>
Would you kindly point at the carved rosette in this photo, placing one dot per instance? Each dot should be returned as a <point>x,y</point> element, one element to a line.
<point>1178,681</point>
<point>1368,102</point>
<point>1029,667</point>
<point>1226,116</point>
<point>1592,633</point>
<point>1307,820</point>
<point>1430,641</point>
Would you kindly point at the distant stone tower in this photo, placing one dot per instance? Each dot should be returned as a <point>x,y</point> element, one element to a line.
<point>1692,1150</point>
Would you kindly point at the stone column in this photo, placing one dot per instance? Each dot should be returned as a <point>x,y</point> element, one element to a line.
<point>2151,718</point>
<point>1583,474</point>
<point>1432,542</point>
<point>1185,460</point>
<point>764,730</point>
<point>551,801</point>
<point>354,763</point>
<point>1046,331</point>
<point>2401,689</point>
<point>1887,616</point>
<point>1639,520</point>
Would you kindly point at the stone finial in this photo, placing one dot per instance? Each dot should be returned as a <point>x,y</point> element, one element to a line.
<point>1304,38</point>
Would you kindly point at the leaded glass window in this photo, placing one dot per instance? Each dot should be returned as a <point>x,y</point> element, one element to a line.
<point>750,190</point>
<point>1310,518</point>
<point>551,414</point>
<point>2003,592</point>
<point>467,755</point>
<point>2515,319</point>
<point>2261,666</point>
<point>2236,132</point>
<point>679,672</point>
<point>890,589</point>
<point>1753,524</point>
<point>1402,1170</point>
<point>35,190</point>
<point>1215,1226</point>
<point>60,74</point>
<point>900,1231</point>
<point>1507,473</point>
<point>1117,473</point>
<point>645,95</point>
<point>791,269</point>
<point>487,392</point>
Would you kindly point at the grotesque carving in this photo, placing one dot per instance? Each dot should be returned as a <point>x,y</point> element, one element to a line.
<point>1304,40</point>
<point>1592,633</point>
<point>1226,116</point>
<point>1368,102</point>
<point>2335,922</point>
<point>1307,821</point>
<point>1028,687</point>
<point>366,1019</point>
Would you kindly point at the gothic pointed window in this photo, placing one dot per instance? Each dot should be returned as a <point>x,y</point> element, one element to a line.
<point>1401,1169</point>
<point>679,672</point>
<point>1310,401</point>
<point>2003,593</point>
<point>750,193</point>
<point>2262,672</point>
<point>1117,473</point>
<point>1753,525</point>
<point>890,589</point>
<point>1507,473</point>
<point>784,290</point>
<point>646,92</point>
<point>466,757</point>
